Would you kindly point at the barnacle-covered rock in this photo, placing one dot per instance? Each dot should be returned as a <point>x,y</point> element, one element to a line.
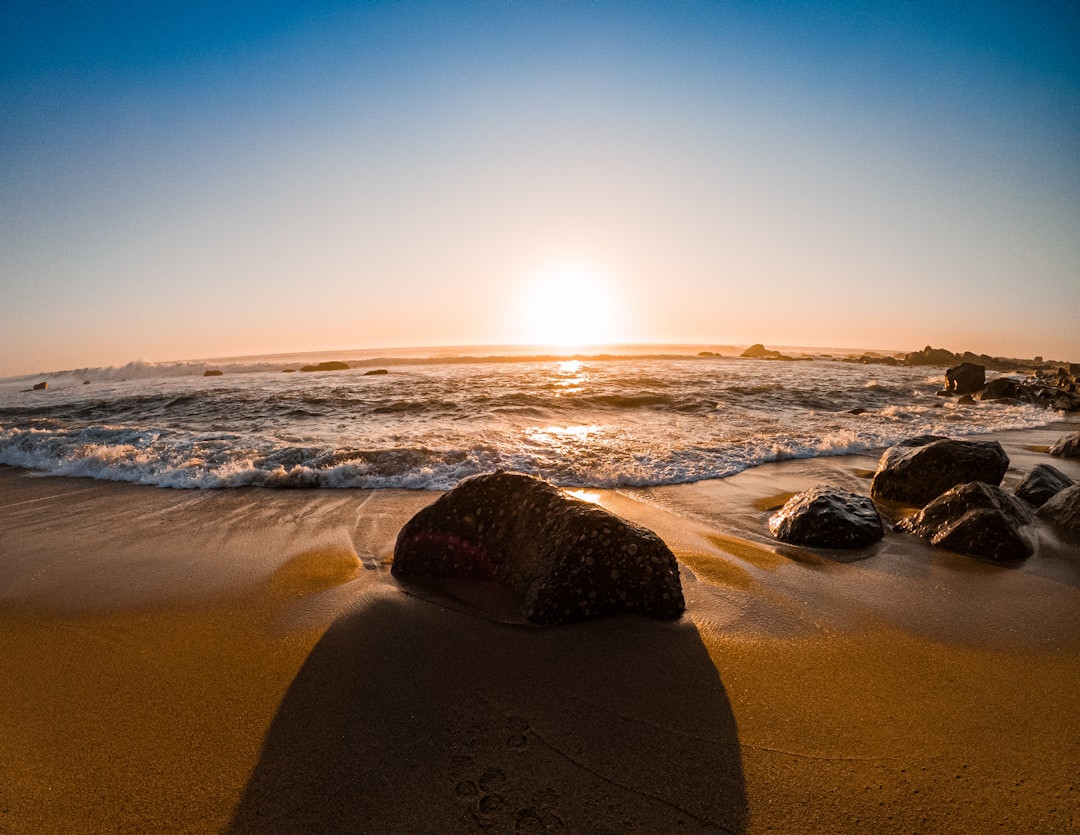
<point>569,559</point>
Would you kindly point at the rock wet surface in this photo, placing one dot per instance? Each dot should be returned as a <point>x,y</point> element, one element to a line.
<point>919,470</point>
<point>977,519</point>
<point>1063,510</point>
<point>1042,482</point>
<point>570,560</point>
<point>1067,446</point>
<point>827,517</point>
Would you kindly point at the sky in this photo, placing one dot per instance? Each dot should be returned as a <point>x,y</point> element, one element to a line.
<point>207,179</point>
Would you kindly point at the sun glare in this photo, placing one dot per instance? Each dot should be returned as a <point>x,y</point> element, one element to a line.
<point>568,305</point>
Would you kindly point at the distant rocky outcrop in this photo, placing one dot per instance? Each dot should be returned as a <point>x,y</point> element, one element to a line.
<point>570,560</point>
<point>760,352</point>
<point>1047,384</point>
<point>965,378</point>
<point>1067,446</point>
<point>1041,483</point>
<point>977,519</point>
<point>211,372</point>
<point>827,517</point>
<point>1063,510</point>
<point>918,470</point>
<point>332,365</point>
<point>872,358</point>
<point>931,356</point>
<point>376,372</point>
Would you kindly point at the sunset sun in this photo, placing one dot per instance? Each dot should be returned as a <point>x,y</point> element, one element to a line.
<point>568,305</point>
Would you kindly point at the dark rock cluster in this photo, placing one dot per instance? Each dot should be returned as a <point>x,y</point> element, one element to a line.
<point>955,486</point>
<point>569,560</point>
<point>963,508</point>
<point>1051,385</point>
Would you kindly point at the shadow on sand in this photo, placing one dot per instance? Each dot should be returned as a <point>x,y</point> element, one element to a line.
<point>411,716</point>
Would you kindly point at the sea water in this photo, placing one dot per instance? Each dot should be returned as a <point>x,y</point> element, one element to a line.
<point>603,421</point>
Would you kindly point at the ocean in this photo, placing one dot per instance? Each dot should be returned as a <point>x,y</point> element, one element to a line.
<point>430,421</point>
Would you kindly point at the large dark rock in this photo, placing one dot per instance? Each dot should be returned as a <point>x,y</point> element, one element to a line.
<point>965,378</point>
<point>332,365</point>
<point>570,560</point>
<point>1064,510</point>
<point>826,517</point>
<point>1067,446</point>
<point>977,519</point>
<point>1003,388</point>
<point>1041,483</point>
<point>919,470</point>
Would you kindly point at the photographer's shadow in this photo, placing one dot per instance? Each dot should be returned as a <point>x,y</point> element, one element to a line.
<point>414,716</point>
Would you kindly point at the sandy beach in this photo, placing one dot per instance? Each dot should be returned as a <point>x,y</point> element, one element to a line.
<point>242,661</point>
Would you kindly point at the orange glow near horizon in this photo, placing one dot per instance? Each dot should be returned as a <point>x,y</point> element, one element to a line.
<point>568,305</point>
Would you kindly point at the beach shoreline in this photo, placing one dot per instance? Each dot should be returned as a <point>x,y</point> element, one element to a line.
<point>172,651</point>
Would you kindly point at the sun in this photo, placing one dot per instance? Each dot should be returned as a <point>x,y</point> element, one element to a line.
<point>568,305</point>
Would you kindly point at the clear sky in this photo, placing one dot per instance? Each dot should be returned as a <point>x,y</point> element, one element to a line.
<point>184,180</point>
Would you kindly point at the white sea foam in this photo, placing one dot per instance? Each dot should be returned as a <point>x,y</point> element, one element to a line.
<point>427,426</point>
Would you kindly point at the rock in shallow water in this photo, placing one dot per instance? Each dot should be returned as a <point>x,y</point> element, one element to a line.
<point>977,519</point>
<point>826,517</point>
<point>571,560</point>
<point>1041,483</point>
<point>1067,446</point>
<point>919,470</point>
<point>1064,510</point>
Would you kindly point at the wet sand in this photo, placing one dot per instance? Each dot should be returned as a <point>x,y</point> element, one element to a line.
<point>242,661</point>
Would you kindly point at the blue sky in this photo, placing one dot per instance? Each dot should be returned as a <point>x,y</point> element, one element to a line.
<point>191,180</point>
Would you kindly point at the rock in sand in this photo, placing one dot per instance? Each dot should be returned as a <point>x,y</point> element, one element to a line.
<point>1067,446</point>
<point>1042,483</point>
<point>569,559</point>
<point>1064,510</point>
<point>918,470</point>
<point>977,519</point>
<point>827,517</point>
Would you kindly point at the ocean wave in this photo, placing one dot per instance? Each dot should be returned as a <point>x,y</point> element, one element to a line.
<point>604,424</point>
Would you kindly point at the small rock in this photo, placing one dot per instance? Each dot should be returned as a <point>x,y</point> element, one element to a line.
<point>977,519</point>
<point>40,386</point>
<point>826,517</point>
<point>1042,483</point>
<point>1063,510</point>
<point>1067,446</point>
<point>211,372</point>
<point>376,372</point>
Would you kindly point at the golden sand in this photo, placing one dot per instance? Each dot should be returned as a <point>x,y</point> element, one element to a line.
<point>241,660</point>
